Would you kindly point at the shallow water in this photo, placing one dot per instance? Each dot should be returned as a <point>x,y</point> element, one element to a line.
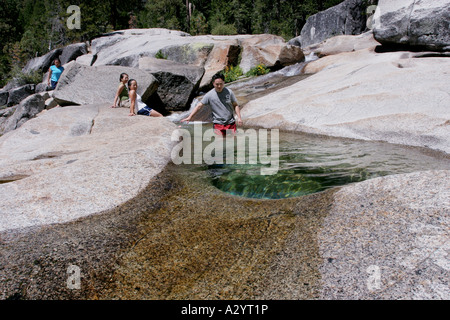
<point>307,164</point>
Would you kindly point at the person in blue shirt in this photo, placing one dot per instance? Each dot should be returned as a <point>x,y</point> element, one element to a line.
<point>54,73</point>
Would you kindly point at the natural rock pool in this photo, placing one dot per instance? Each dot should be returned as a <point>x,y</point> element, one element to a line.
<point>308,164</point>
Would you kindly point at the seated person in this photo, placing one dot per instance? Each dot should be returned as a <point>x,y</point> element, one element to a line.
<point>122,99</point>
<point>136,104</point>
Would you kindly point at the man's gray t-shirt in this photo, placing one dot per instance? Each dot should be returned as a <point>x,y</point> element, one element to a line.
<point>221,104</point>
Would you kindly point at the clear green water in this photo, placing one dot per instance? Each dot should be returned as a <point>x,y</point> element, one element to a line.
<point>309,164</point>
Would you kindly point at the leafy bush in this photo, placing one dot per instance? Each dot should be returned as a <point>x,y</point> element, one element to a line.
<point>160,55</point>
<point>23,78</point>
<point>232,73</point>
<point>259,70</point>
<point>224,30</point>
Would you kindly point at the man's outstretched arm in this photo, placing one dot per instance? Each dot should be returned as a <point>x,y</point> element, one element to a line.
<point>197,107</point>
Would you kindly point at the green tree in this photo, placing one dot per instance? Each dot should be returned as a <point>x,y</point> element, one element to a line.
<point>30,28</point>
<point>10,33</point>
<point>168,14</point>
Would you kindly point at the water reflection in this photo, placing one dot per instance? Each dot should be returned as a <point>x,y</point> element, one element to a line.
<point>309,164</point>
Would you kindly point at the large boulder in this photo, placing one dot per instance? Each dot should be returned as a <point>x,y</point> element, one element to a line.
<point>5,113</point>
<point>66,54</point>
<point>195,53</point>
<point>269,50</point>
<point>3,97</point>
<point>72,52</point>
<point>86,59</point>
<point>364,95</point>
<point>18,94</point>
<point>27,109</point>
<point>344,43</point>
<point>44,62</point>
<point>414,23</point>
<point>222,55</point>
<point>126,47</point>
<point>177,82</point>
<point>77,161</point>
<point>346,18</point>
<point>387,239</point>
<point>80,84</point>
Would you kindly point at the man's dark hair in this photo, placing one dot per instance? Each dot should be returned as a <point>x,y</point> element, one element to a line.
<point>218,76</point>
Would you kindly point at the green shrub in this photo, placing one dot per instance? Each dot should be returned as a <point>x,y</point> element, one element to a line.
<point>232,73</point>
<point>160,55</point>
<point>224,30</point>
<point>23,78</point>
<point>259,70</point>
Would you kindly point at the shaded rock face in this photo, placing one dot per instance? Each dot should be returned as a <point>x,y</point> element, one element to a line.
<point>18,94</point>
<point>413,23</point>
<point>80,84</point>
<point>72,52</point>
<point>5,113</point>
<point>66,54</point>
<point>44,62</point>
<point>176,81</point>
<point>346,18</point>
<point>3,97</point>
<point>27,109</point>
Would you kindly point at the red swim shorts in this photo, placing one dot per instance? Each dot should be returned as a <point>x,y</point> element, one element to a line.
<point>221,129</point>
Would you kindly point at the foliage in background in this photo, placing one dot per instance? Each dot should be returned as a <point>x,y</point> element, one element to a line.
<point>259,70</point>
<point>232,73</point>
<point>21,78</point>
<point>224,30</point>
<point>30,28</point>
<point>160,55</point>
